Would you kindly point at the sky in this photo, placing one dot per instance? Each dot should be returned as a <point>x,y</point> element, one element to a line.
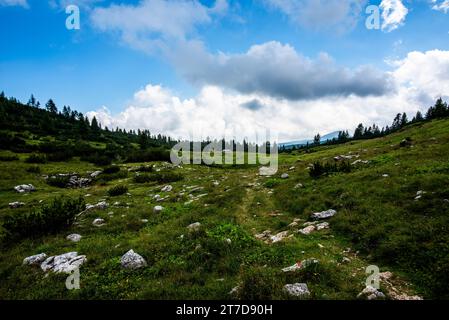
<point>198,68</point>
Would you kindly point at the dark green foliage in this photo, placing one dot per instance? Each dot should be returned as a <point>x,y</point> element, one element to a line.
<point>117,190</point>
<point>98,159</point>
<point>260,284</point>
<point>34,169</point>
<point>58,181</point>
<point>9,158</point>
<point>160,177</point>
<point>111,169</point>
<point>50,219</point>
<point>155,154</point>
<point>271,183</point>
<point>142,178</point>
<point>36,158</point>
<point>319,169</point>
<point>145,169</point>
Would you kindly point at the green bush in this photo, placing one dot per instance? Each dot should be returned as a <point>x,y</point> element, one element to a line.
<point>155,154</point>
<point>36,158</point>
<point>50,219</point>
<point>117,190</point>
<point>58,181</point>
<point>97,159</point>
<point>9,158</point>
<point>271,183</point>
<point>160,177</point>
<point>34,169</point>
<point>111,169</point>
<point>260,284</point>
<point>318,169</point>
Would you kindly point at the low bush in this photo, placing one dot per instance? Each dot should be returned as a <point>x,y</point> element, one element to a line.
<point>36,158</point>
<point>160,177</point>
<point>111,169</point>
<point>271,183</point>
<point>49,219</point>
<point>117,190</point>
<point>58,181</point>
<point>97,159</point>
<point>9,158</point>
<point>149,155</point>
<point>34,169</point>
<point>319,169</point>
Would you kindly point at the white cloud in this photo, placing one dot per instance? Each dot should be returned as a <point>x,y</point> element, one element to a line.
<point>340,15</point>
<point>150,23</point>
<point>421,77</point>
<point>10,3</point>
<point>393,14</point>
<point>442,5</point>
<point>277,70</point>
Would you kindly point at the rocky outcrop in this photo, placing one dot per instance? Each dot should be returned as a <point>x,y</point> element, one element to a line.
<point>324,214</point>
<point>299,290</point>
<point>64,263</point>
<point>74,237</point>
<point>35,260</point>
<point>132,260</point>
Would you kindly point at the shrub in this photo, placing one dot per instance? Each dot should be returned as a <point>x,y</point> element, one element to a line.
<point>155,154</point>
<point>111,169</point>
<point>271,183</point>
<point>34,169</point>
<point>50,219</point>
<point>318,169</point>
<point>260,284</point>
<point>160,177</point>
<point>117,190</point>
<point>36,158</point>
<point>9,158</point>
<point>59,156</point>
<point>97,159</point>
<point>145,169</point>
<point>58,181</point>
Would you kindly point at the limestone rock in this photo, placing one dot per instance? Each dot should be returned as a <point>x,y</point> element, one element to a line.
<point>64,263</point>
<point>35,260</point>
<point>24,188</point>
<point>158,209</point>
<point>15,205</point>
<point>132,260</point>
<point>74,237</point>
<point>324,214</point>
<point>298,290</point>
<point>194,227</point>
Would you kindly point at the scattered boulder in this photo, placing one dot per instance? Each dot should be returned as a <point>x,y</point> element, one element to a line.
<point>279,237</point>
<point>35,260</point>
<point>285,176</point>
<point>158,209</point>
<point>64,263</point>
<point>74,237</point>
<point>301,265</point>
<point>194,227</point>
<point>407,142</point>
<point>25,188</point>
<point>98,222</point>
<point>77,182</point>
<point>323,225</point>
<point>267,171</point>
<point>324,214</point>
<point>95,174</point>
<point>307,230</point>
<point>167,188</point>
<point>297,289</point>
<point>101,206</point>
<point>264,235</point>
<point>15,205</point>
<point>385,175</point>
<point>132,260</point>
<point>299,186</point>
<point>370,293</point>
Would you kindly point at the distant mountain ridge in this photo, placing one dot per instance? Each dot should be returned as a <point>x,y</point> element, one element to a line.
<point>299,143</point>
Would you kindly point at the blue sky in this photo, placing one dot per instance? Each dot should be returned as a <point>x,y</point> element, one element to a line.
<point>150,58</point>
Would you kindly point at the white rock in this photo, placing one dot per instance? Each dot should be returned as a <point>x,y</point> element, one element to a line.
<point>167,189</point>
<point>279,237</point>
<point>307,230</point>
<point>323,225</point>
<point>385,175</point>
<point>158,209</point>
<point>64,263</point>
<point>324,214</point>
<point>144,220</point>
<point>15,205</point>
<point>74,237</point>
<point>285,176</point>
<point>299,186</point>
<point>25,188</point>
<point>98,222</point>
<point>95,174</point>
<point>297,289</point>
<point>35,260</point>
<point>370,293</point>
<point>267,171</point>
<point>132,260</point>
<point>100,205</point>
<point>194,227</point>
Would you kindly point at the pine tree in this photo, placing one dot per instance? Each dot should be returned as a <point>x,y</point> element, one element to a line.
<point>358,133</point>
<point>317,139</point>
<point>51,106</point>
<point>32,101</point>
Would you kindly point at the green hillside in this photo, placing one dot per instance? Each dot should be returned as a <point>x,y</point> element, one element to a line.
<point>392,212</point>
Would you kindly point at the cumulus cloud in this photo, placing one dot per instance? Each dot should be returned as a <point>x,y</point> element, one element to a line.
<point>150,23</point>
<point>10,3</point>
<point>421,77</point>
<point>393,14</point>
<point>442,5</point>
<point>338,15</point>
<point>278,70</point>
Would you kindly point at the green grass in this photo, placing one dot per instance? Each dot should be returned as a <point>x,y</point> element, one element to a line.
<point>377,216</point>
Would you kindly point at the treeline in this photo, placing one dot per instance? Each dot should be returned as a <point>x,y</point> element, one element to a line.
<point>66,133</point>
<point>438,111</point>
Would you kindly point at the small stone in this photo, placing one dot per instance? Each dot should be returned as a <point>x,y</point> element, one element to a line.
<point>298,290</point>
<point>132,260</point>
<point>35,260</point>
<point>158,209</point>
<point>370,293</point>
<point>167,188</point>
<point>194,227</point>
<point>24,188</point>
<point>321,226</point>
<point>74,237</point>
<point>15,205</point>
<point>324,214</point>
<point>299,186</point>
<point>307,230</point>
<point>285,176</point>
<point>279,237</point>
<point>98,222</point>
